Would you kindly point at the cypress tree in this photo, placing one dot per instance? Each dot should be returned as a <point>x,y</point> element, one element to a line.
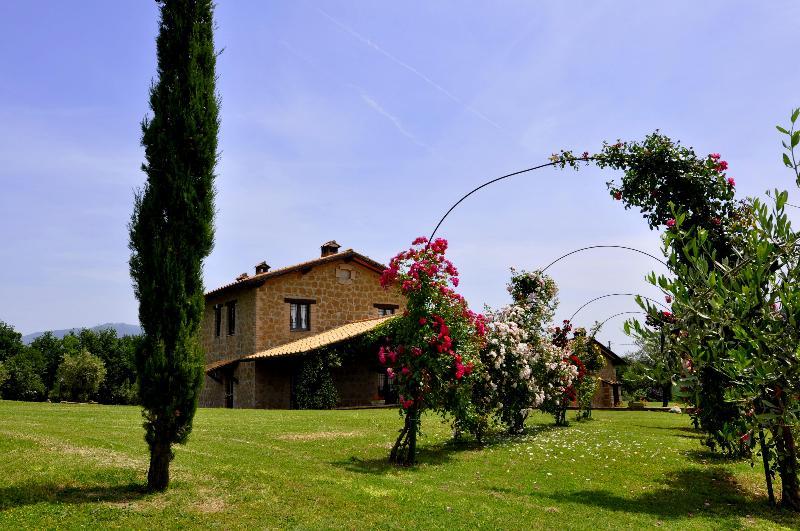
<point>171,229</point>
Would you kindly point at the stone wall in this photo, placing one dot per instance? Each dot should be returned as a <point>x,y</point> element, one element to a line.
<point>274,382</point>
<point>357,381</point>
<point>338,300</point>
<point>243,340</point>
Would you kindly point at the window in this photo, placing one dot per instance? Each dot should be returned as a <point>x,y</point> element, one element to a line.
<point>231,318</point>
<point>386,309</point>
<point>217,320</point>
<point>299,316</point>
<point>300,313</point>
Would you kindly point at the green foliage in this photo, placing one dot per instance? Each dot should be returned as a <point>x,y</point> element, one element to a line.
<point>735,322</point>
<point>659,172</point>
<point>53,350</point>
<point>78,377</point>
<point>3,377</point>
<point>10,341</point>
<point>171,230</point>
<point>592,359</point>
<point>314,388</point>
<point>24,376</point>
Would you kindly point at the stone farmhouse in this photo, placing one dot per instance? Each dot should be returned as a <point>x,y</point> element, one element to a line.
<point>256,330</point>
<point>608,392</point>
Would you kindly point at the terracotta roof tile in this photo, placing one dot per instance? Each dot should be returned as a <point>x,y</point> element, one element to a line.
<point>323,339</point>
<point>261,277</point>
<point>309,343</point>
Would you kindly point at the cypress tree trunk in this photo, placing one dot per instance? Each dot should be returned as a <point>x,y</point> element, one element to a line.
<point>171,229</point>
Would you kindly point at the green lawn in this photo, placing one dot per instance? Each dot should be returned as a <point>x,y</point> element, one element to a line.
<point>81,465</point>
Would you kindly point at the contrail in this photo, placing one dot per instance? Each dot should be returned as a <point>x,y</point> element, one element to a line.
<point>374,105</point>
<point>410,68</point>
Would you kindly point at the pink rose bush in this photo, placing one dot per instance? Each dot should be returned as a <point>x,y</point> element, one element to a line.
<point>433,356</point>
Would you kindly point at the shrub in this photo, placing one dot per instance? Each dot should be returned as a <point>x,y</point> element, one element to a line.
<point>315,389</point>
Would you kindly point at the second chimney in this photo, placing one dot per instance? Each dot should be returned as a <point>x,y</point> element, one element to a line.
<point>262,268</point>
<point>329,248</point>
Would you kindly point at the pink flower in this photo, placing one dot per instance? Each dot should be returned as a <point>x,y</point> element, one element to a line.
<point>745,437</point>
<point>671,222</point>
<point>454,280</point>
<point>423,321</point>
<point>714,156</point>
<point>731,182</point>
<point>406,371</point>
<point>420,241</point>
<point>716,221</point>
<point>722,166</point>
<point>382,356</point>
<point>617,195</point>
<point>390,373</point>
<point>416,351</point>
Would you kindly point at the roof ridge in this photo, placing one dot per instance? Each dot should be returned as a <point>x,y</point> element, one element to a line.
<point>308,263</point>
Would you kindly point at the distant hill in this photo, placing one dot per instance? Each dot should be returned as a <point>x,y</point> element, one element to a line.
<point>123,329</point>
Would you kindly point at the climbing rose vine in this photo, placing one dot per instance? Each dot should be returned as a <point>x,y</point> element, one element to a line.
<point>433,355</point>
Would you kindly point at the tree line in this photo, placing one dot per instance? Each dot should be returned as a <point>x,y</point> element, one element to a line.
<point>85,366</point>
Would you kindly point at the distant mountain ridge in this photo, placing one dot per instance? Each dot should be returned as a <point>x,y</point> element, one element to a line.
<point>122,329</point>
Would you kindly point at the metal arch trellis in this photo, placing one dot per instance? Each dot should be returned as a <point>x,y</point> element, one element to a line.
<point>587,303</point>
<point>624,247</point>
<point>496,179</point>
<point>615,315</point>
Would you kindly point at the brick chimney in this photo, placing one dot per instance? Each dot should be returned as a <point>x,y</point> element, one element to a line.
<point>329,248</point>
<point>262,268</point>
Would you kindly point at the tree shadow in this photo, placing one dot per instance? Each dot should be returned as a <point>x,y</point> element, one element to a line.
<point>440,453</point>
<point>706,456</point>
<point>710,491</point>
<point>32,493</point>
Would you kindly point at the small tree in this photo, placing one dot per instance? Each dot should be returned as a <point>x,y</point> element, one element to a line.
<point>434,348</point>
<point>24,376</point>
<point>78,377</point>
<point>171,230</point>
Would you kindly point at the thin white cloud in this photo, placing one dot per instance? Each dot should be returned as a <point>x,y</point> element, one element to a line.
<point>411,69</point>
<point>378,108</point>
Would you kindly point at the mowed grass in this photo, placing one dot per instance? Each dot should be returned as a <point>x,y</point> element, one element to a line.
<point>84,466</point>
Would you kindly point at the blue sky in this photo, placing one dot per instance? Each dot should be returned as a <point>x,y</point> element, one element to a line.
<point>363,121</point>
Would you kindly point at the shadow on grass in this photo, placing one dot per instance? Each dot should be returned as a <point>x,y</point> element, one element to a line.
<point>33,493</point>
<point>710,492</point>
<point>439,454</point>
<point>706,456</point>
